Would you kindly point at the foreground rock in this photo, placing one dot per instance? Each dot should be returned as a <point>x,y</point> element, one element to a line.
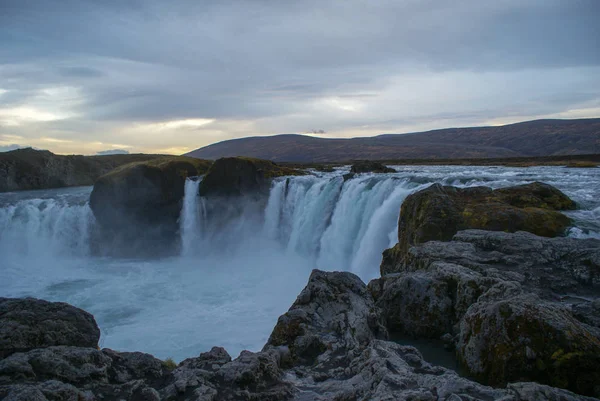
<point>516,306</point>
<point>329,346</point>
<point>236,176</point>
<point>28,169</point>
<point>137,205</point>
<point>30,323</point>
<point>438,212</point>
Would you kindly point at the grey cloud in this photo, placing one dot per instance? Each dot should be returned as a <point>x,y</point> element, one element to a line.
<point>80,72</point>
<point>264,60</point>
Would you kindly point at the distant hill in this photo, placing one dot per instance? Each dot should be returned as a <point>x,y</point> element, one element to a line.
<point>526,139</point>
<point>25,169</point>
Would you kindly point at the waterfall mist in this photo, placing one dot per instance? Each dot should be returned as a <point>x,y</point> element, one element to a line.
<point>242,261</point>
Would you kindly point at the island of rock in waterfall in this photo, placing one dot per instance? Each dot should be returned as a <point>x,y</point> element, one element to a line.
<point>176,278</point>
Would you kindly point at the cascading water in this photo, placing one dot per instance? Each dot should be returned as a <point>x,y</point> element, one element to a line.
<point>45,228</point>
<point>242,261</point>
<point>193,213</point>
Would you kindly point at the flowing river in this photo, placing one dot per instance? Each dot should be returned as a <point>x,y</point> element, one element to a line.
<point>232,281</point>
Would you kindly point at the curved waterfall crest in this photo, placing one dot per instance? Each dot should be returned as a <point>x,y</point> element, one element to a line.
<point>339,225</point>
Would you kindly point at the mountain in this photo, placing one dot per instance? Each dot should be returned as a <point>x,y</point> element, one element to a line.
<point>25,169</point>
<point>526,139</point>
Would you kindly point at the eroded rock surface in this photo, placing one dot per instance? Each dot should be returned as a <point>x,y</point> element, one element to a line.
<point>438,212</point>
<point>518,306</point>
<point>137,205</point>
<point>330,345</point>
<point>367,166</point>
<point>236,176</point>
<point>31,323</point>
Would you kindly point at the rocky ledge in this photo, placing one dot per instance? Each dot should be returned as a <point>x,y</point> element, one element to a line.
<point>137,205</point>
<point>438,212</point>
<point>236,176</point>
<point>521,313</point>
<point>331,345</point>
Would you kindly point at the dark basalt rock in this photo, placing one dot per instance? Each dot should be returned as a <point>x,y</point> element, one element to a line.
<point>367,166</point>
<point>439,212</point>
<point>137,205</point>
<point>30,169</point>
<point>525,338</point>
<point>236,176</point>
<point>335,310</point>
<point>518,306</point>
<point>31,323</point>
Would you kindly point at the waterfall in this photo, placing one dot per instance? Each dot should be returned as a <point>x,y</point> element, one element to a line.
<point>335,224</point>
<point>339,225</point>
<point>45,228</point>
<point>193,213</point>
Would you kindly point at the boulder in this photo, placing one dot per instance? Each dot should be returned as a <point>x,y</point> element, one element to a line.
<point>137,205</point>
<point>438,212</point>
<point>214,376</point>
<point>518,306</point>
<point>367,166</point>
<point>526,338</point>
<point>334,313</point>
<point>236,176</point>
<point>31,323</point>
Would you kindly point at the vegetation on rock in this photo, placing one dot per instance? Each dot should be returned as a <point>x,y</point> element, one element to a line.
<point>27,169</point>
<point>438,212</point>
<point>137,205</point>
<point>235,176</point>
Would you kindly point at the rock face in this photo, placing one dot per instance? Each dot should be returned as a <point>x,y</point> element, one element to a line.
<point>367,166</point>
<point>236,176</point>
<point>31,323</point>
<point>329,346</point>
<point>27,169</point>
<point>439,212</point>
<point>137,205</point>
<point>335,312</point>
<point>517,306</point>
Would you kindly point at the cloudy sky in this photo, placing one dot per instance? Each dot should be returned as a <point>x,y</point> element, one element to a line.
<point>84,76</point>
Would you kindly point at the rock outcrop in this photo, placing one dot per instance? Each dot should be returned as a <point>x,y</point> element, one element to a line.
<point>351,361</point>
<point>137,205</point>
<point>517,306</point>
<point>367,166</point>
<point>30,323</point>
<point>28,169</point>
<point>438,212</point>
<point>236,176</point>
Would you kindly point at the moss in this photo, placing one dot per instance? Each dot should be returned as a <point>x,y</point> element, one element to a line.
<point>169,364</point>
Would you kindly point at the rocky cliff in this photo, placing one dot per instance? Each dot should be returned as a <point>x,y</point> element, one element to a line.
<point>27,169</point>
<point>521,312</point>
<point>137,205</point>
<point>438,212</point>
<point>331,345</point>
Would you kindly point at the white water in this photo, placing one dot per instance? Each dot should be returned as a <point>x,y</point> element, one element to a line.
<point>237,273</point>
<point>192,215</point>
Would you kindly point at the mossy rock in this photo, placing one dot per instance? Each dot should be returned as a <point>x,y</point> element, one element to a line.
<point>439,212</point>
<point>367,166</point>
<point>235,176</point>
<point>527,339</point>
<point>137,205</point>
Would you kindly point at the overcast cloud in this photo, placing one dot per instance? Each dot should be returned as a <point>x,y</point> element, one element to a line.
<point>81,76</point>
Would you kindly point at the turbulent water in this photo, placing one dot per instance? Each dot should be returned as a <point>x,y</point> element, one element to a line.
<point>236,276</point>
